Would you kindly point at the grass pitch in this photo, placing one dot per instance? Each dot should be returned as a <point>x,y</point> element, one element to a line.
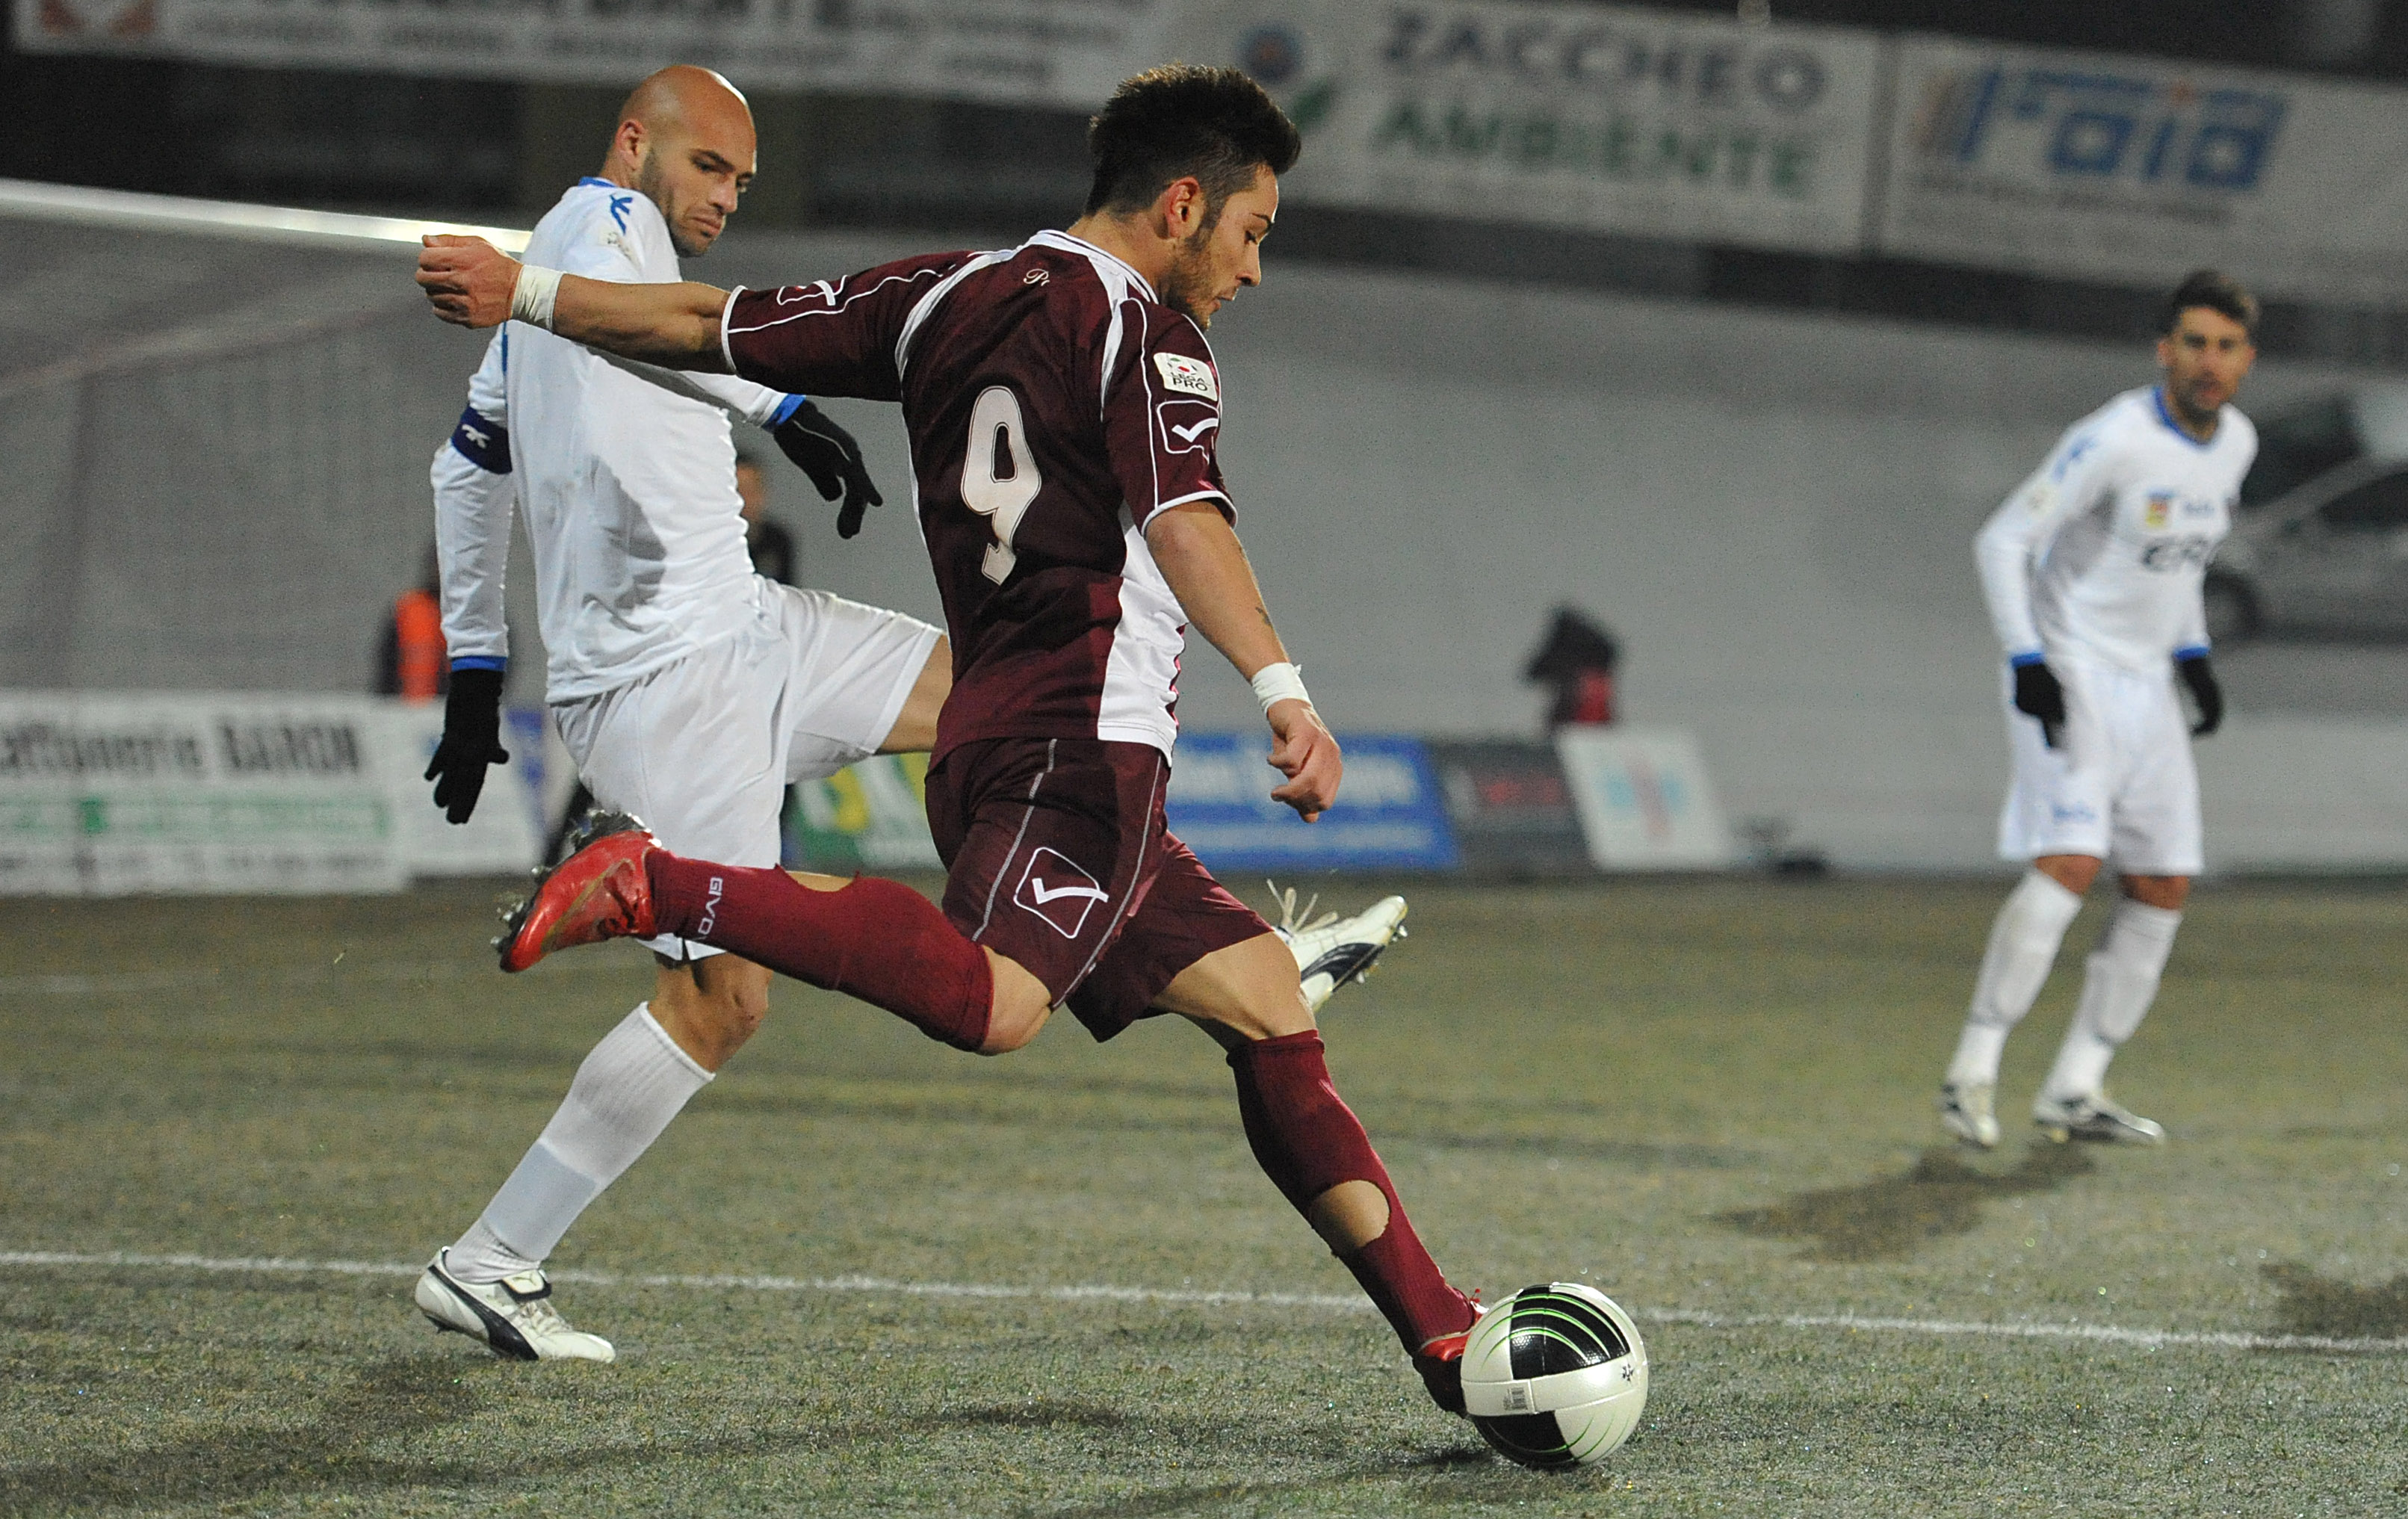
<point>1711,1098</point>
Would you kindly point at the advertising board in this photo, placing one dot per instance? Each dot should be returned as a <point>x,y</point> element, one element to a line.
<point>109,794</point>
<point>1609,119</point>
<point>2135,170</point>
<point>871,816</point>
<point>1511,808</point>
<point>1645,800</point>
<point>1390,814</point>
<point>505,834</point>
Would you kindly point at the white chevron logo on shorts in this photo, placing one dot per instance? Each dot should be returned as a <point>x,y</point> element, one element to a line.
<point>1048,894</point>
<point>1065,904</point>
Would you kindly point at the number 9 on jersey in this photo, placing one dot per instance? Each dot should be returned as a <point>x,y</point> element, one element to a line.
<point>998,473</point>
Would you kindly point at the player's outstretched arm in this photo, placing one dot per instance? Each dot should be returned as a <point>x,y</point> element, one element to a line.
<point>1206,565</point>
<point>471,283</point>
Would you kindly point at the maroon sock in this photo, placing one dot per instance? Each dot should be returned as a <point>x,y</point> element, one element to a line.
<point>879,940</point>
<point>1307,1140</point>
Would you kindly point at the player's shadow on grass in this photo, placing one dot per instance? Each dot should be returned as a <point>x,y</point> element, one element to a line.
<point>338,1453</point>
<point>392,1398</point>
<point>2327,1309</point>
<point>1459,1461</point>
<point>1889,1217</point>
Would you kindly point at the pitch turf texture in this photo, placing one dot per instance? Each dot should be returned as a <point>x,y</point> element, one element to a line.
<point>1711,1098</point>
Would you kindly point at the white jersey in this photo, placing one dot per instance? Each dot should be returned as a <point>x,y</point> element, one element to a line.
<point>627,474</point>
<point>2100,555</point>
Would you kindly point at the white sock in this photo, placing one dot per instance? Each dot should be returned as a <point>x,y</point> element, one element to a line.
<point>2120,980</point>
<point>2024,938</point>
<point>625,1095</point>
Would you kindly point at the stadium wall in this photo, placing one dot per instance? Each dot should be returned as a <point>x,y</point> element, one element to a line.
<point>1773,510</point>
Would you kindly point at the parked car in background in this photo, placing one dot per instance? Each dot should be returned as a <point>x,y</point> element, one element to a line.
<point>2298,442</point>
<point>2321,543</point>
<point>2331,557</point>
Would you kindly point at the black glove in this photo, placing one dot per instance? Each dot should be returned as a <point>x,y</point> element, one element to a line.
<point>2038,694</point>
<point>472,740</point>
<point>2200,676</point>
<point>827,453</point>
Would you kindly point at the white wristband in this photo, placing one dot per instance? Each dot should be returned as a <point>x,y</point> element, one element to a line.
<point>531,298</point>
<point>1282,681</point>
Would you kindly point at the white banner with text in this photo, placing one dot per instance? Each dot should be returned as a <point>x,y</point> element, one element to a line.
<point>105,794</point>
<point>2135,170</point>
<point>1639,122</point>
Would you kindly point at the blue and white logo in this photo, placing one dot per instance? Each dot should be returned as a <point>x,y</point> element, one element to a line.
<point>2088,125</point>
<point>1390,813</point>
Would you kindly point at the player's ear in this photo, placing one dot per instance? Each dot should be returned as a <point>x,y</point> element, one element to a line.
<point>1182,205</point>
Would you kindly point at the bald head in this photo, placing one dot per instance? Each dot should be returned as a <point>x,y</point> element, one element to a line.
<point>685,140</point>
<point>682,94</point>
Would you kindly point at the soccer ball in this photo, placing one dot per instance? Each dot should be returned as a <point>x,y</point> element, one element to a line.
<point>1556,1376</point>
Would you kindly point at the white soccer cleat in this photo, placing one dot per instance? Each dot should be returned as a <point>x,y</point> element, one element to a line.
<point>1331,951</point>
<point>1969,1113</point>
<point>2095,1118</point>
<point>513,1317</point>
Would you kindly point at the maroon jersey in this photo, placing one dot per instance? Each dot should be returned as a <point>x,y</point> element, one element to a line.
<point>1053,406</point>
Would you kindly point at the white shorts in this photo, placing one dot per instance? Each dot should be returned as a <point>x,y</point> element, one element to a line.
<point>2120,785</point>
<point>703,750</point>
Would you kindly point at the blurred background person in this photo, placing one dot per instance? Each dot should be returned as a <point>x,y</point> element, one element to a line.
<point>1575,662</point>
<point>409,657</point>
<point>774,554</point>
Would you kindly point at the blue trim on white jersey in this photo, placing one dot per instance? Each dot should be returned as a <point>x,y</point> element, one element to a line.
<point>2158,398</point>
<point>482,442</point>
<point>2190,651</point>
<point>590,179</point>
<point>479,662</point>
<point>786,409</point>
<point>2031,656</point>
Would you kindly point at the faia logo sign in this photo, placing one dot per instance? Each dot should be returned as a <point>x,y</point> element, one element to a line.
<point>2099,127</point>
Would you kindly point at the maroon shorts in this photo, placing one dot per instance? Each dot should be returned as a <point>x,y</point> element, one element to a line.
<point>1058,859</point>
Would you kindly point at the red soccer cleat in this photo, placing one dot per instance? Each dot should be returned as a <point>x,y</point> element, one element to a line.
<point>601,891</point>
<point>1441,1364</point>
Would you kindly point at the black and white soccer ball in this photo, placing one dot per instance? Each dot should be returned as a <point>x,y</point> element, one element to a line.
<point>1556,1376</point>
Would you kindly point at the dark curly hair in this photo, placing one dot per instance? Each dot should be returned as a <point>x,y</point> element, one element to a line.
<point>2217,291</point>
<point>1179,120</point>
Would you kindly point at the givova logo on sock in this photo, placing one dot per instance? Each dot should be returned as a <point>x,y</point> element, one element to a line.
<point>1058,891</point>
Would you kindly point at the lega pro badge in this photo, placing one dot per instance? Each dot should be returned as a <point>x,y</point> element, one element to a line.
<point>1188,376</point>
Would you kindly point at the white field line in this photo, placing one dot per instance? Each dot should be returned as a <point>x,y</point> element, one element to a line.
<point>1338,1303</point>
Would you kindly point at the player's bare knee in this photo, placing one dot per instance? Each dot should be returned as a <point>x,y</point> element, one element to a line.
<point>711,1007</point>
<point>740,1010</point>
<point>1011,1029</point>
<point>2167,891</point>
<point>1020,1006</point>
<point>2074,872</point>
